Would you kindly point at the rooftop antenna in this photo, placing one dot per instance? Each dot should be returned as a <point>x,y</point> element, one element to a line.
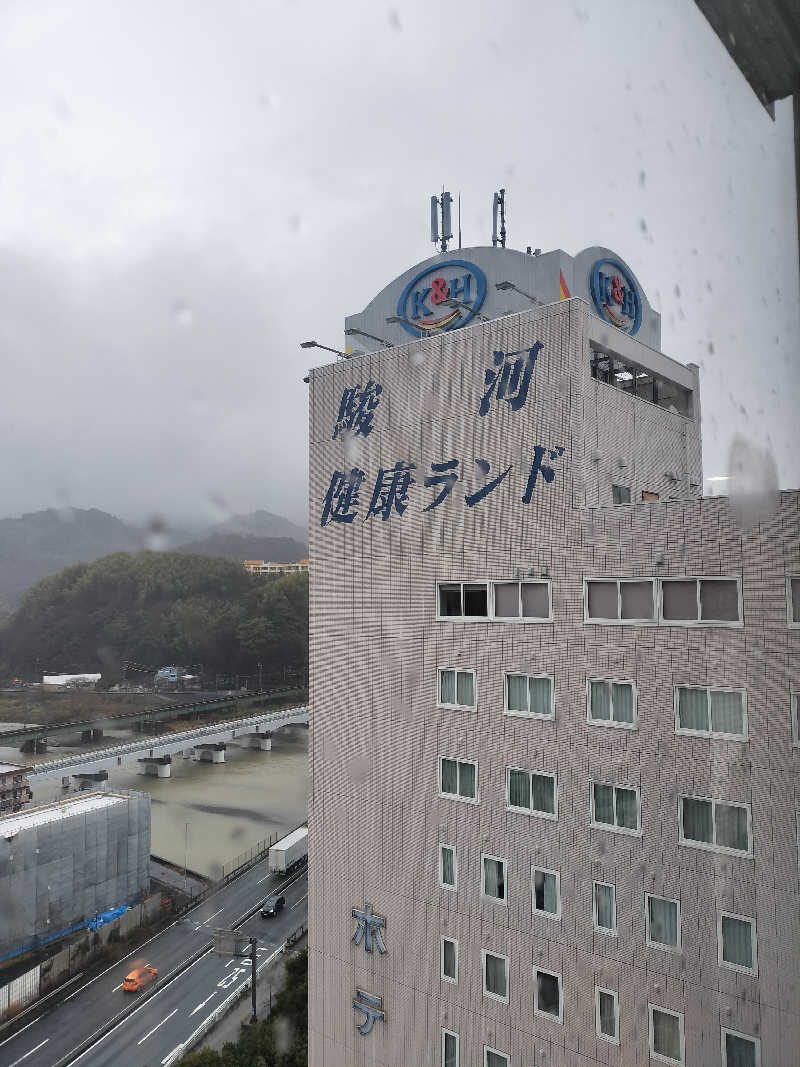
<point>443,202</point>
<point>499,205</point>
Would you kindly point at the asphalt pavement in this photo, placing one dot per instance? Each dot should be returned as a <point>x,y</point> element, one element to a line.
<point>176,1009</point>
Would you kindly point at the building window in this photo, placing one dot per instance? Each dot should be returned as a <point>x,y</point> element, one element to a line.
<point>639,382</point>
<point>736,936</point>
<point>493,882</point>
<point>666,1035</point>
<point>606,1015</point>
<point>620,494</point>
<point>714,824</point>
<point>619,600</point>
<point>546,892</point>
<point>493,1058</point>
<point>495,975</point>
<point>649,497</point>
<point>793,600</point>
<point>449,960</point>
<point>740,1050</point>
<point>535,794</point>
<point>458,779</point>
<point>448,867</point>
<point>615,807</point>
<point>529,695</point>
<point>611,703</point>
<point>796,718</point>
<point>604,908</point>
<point>450,1051</point>
<point>663,922</point>
<point>694,601</point>
<point>708,711</point>
<point>466,600</point>
<point>456,689</point>
<point>547,998</point>
<point>521,600</point>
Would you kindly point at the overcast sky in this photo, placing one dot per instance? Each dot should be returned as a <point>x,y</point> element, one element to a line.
<point>190,189</point>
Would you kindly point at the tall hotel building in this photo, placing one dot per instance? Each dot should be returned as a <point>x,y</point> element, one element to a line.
<point>554,722</point>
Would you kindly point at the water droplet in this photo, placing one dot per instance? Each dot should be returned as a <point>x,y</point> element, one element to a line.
<point>182,314</point>
<point>642,178</point>
<point>753,484</point>
<point>394,20</point>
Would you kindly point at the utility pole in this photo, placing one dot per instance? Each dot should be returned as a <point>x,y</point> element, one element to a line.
<point>253,943</point>
<point>185,858</point>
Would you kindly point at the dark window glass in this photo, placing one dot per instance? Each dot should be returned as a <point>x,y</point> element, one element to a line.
<point>475,601</point>
<point>719,600</point>
<point>535,600</point>
<point>549,996</point>
<point>637,600</point>
<point>449,599</point>
<point>506,600</point>
<point>603,600</point>
<point>679,600</point>
<point>620,494</point>
<point>795,592</point>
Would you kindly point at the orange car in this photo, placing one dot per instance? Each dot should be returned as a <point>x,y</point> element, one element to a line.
<point>139,978</point>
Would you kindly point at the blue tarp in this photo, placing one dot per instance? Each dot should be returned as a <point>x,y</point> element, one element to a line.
<point>106,917</point>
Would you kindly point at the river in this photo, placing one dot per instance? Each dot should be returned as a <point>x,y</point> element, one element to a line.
<point>229,807</point>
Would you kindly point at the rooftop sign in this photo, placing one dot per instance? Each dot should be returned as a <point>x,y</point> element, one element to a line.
<point>616,295</point>
<point>442,297</point>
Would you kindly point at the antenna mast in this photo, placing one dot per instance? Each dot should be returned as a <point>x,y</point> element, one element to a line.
<point>499,206</point>
<point>441,203</point>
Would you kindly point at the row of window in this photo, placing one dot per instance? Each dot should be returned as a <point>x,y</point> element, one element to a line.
<point>705,710</point>
<point>703,822</point>
<point>665,1033</point>
<point>736,934</point>
<point>611,370</point>
<point>616,601</point>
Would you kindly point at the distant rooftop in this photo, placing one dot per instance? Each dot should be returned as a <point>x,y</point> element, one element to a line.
<point>12,825</point>
<point>12,768</point>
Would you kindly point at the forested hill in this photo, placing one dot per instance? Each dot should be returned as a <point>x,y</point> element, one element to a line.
<point>158,608</point>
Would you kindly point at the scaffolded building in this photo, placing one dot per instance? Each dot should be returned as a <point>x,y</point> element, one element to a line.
<point>62,864</point>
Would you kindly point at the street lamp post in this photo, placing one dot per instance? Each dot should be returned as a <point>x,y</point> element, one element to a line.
<point>185,858</point>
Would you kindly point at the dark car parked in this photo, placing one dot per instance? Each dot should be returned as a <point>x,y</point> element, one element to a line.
<point>272,907</point>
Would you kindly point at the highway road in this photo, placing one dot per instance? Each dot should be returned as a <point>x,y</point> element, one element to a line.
<point>177,1008</point>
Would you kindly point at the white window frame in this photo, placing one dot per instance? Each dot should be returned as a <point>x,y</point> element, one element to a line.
<point>490,615</point>
<point>660,944</point>
<point>451,1033</point>
<point>444,977</point>
<point>488,896</point>
<point>555,916</point>
<point>500,956</point>
<point>536,1009</point>
<point>496,1052</point>
<point>605,930</point>
<point>756,1041</point>
<point>789,613</point>
<point>709,689</point>
<point>457,671</point>
<point>712,846</point>
<point>456,796</point>
<point>606,825</point>
<point>752,971</point>
<point>698,578</point>
<point>464,618</point>
<point>656,1055</point>
<point>442,883</point>
<point>611,722</point>
<point>619,621</point>
<point>530,811</point>
<point>529,714</point>
<point>522,618</point>
<point>601,1036</point>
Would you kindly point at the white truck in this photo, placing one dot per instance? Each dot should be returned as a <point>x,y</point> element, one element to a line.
<point>289,852</point>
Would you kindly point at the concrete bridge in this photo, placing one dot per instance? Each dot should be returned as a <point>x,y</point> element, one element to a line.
<point>34,738</point>
<point>154,754</point>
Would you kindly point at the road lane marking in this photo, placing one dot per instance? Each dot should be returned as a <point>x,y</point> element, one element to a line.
<point>208,920</point>
<point>14,1064</point>
<point>38,1017</point>
<point>266,876</point>
<point>300,901</point>
<point>174,1012</point>
<point>203,1003</point>
<point>116,987</point>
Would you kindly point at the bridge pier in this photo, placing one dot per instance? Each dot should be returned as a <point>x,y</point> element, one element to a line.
<point>34,745</point>
<point>210,753</point>
<point>90,779</point>
<point>261,741</point>
<point>155,766</point>
<point>93,734</point>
